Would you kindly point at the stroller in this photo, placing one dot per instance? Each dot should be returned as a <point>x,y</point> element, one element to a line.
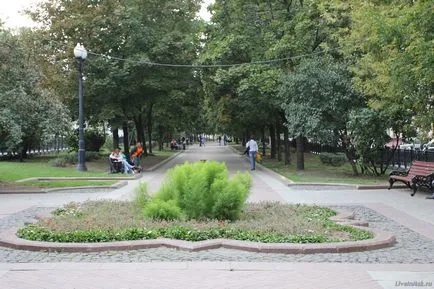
<point>115,166</point>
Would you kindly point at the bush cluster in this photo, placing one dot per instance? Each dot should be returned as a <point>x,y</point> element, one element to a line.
<point>93,139</point>
<point>200,190</point>
<point>335,160</point>
<point>71,158</point>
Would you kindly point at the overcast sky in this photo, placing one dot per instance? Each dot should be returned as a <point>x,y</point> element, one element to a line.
<point>10,12</point>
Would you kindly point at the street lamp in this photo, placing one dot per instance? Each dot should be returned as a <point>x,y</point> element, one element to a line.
<point>80,54</point>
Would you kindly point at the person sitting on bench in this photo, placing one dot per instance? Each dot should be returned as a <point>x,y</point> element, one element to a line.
<point>118,157</point>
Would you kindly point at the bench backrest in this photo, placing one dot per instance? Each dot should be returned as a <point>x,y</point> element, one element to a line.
<point>421,168</point>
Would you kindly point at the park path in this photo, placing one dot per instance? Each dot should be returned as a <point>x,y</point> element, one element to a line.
<point>415,213</point>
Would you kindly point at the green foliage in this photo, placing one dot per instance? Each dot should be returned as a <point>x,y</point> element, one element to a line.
<point>93,140</point>
<point>108,220</point>
<point>30,114</point>
<point>59,162</point>
<point>369,136</point>
<point>394,41</point>
<point>36,233</point>
<point>203,190</point>
<point>71,158</point>
<point>70,209</point>
<point>162,210</point>
<point>335,160</point>
<point>142,196</point>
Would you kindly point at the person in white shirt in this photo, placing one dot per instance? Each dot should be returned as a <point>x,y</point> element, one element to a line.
<point>253,149</point>
<point>119,158</point>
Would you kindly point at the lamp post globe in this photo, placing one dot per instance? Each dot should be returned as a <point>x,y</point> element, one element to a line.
<point>80,54</point>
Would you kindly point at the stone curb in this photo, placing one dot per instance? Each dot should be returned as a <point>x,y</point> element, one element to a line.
<point>381,240</point>
<point>79,178</point>
<point>53,190</point>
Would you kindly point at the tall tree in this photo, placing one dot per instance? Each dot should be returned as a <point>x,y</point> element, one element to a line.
<point>318,98</point>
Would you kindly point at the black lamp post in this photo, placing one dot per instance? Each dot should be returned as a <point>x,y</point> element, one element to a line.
<point>80,54</point>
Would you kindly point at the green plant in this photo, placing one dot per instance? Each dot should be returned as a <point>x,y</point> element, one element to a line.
<point>203,190</point>
<point>108,220</point>
<point>142,196</point>
<point>92,155</point>
<point>58,162</point>
<point>229,197</point>
<point>93,139</point>
<point>335,160</point>
<point>162,210</point>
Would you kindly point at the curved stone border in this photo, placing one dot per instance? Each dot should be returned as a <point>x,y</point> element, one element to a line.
<point>381,240</point>
<point>115,186</point>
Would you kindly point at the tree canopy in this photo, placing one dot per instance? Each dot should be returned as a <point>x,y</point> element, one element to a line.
<point>308,70</point>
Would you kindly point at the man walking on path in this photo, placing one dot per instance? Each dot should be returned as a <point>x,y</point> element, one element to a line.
<point>253,149</point>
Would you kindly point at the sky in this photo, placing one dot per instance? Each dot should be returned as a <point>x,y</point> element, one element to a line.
<point>10,12</point>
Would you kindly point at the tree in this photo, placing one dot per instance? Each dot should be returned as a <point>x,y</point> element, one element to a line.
<point>128,90</point>
<point>317,99</point>
<point>368,135</point>
<point>393,42</point>
<point>30,114</point>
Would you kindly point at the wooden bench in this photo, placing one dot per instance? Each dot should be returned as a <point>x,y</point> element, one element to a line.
<point>420,174</point>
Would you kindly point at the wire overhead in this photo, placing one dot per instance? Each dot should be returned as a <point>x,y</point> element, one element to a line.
<point>210,65</point>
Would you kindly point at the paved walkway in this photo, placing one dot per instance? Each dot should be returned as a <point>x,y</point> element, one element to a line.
<point>393,209</point>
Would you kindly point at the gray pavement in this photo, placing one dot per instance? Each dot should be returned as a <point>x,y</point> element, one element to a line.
<point>409,264</point>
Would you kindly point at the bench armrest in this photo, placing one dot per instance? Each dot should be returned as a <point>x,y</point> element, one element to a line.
<point>428,180</point>
<point>399,172</point>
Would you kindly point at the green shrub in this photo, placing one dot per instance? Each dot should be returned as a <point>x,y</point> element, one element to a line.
<point>230,197</point>
<point>162,210</point>
<point>91,155</point>
<point>93,140</point>
<point>203,190</point>
<point>335,160</point>
<point>58,162</point>
<point>142,196</point>
<point>71,158</point>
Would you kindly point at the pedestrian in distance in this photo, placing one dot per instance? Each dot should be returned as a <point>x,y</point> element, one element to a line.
<point>253,149</point>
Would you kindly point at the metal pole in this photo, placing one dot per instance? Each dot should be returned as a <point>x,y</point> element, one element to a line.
<point>81,152</point>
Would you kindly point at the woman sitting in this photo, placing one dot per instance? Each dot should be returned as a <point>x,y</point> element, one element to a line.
<point>118,156</point>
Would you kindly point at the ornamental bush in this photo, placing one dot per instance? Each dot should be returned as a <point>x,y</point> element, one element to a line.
<point>202,190</point>
<point>335,160</point>
<point>162,210</point>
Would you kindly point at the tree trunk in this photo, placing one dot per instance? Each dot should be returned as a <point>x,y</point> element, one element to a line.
<point>138,123</point>
<point>160,138</point>
<point>273,142</point>
<point>278,142</point>
<point>140,130</point>
<point>150,127</point>
<point>115,133</point>
<point>264,146</point>
<point>126,137</point>
<point>287,150</point>
<point>348,150</point>
<point>300,153</point>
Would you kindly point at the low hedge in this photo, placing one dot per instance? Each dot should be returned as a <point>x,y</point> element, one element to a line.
<point>36,233</point>
<point>335,160</point>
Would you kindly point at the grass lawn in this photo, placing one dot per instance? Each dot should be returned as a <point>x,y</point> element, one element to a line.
<point>317,172</point>
<point>105,221</point>
<point>68,183</point>
<point>11,171</point>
